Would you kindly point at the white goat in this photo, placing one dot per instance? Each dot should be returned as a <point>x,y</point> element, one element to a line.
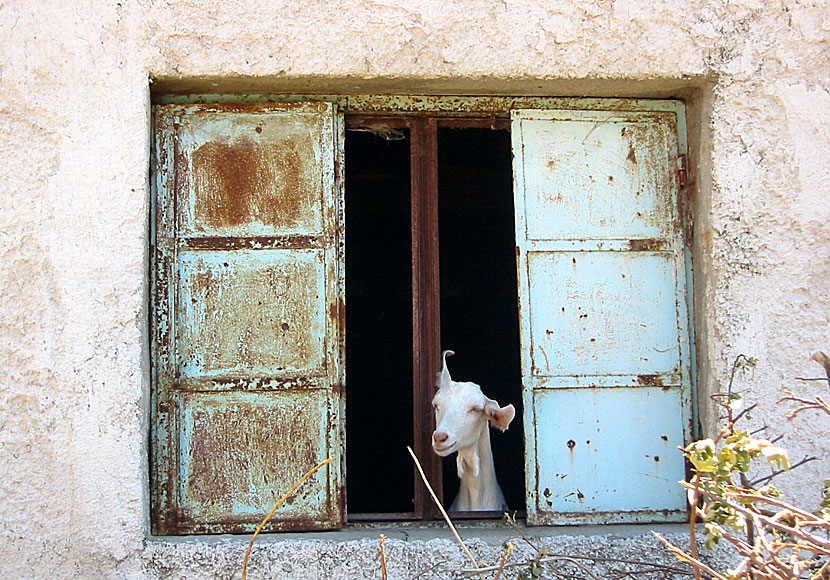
<point>461,415</point>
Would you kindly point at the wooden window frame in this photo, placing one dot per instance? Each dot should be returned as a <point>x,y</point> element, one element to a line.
<point>426,290</point>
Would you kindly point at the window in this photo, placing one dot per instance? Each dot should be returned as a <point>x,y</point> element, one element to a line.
<point>279,225</point>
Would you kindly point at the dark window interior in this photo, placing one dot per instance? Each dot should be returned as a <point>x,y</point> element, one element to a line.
<point>478,304</point>
<point>378,325</point>
<point>479,297</point>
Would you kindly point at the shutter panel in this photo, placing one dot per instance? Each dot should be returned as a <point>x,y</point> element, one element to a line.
<point>247,316</point>
<point>603,317</point>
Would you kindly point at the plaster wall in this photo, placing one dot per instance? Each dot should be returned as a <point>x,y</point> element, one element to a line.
<point>74,139</point>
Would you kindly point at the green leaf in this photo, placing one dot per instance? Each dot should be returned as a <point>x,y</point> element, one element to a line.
<point>777,457</point>
<point>702,455</point>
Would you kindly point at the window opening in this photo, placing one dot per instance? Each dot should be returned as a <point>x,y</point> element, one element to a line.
<point>479,318</point>
<point>408,181</point>
<point>379,323</point>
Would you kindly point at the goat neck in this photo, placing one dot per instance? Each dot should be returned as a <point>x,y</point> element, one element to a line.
<point>479,490</point>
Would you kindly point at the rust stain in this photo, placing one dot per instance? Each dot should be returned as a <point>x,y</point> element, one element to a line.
<point>293,383</point>
<point>246,182</point>
<point>254,243</point>
<point>233,451</point>
<point>646,245</point>
<point>632,155</point>
<point>206,108</point>
<point>252,319</point>
<point>650,380</point>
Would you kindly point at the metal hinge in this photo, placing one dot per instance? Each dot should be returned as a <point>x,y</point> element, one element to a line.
<point>683,170</point>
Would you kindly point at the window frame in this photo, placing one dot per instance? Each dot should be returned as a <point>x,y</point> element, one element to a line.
<point>426,292</point>
<point>422,116</point>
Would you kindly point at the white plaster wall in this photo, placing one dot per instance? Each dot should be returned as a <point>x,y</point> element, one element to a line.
<point>74,104</point>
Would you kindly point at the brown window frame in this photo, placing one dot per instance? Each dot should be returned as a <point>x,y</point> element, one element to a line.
<point>426,291</point>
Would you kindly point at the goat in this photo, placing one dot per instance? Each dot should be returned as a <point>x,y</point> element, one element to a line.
<point>461,415</point>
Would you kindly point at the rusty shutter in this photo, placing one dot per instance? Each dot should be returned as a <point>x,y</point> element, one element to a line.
<point>603,316</point>
<point>246,315</point>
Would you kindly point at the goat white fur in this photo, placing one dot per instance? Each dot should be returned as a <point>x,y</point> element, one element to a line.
<point>461,416</point>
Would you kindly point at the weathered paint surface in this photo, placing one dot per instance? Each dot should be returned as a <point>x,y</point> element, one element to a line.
<point>605,347</point>
<point>252,313</point>
<point>240,452</point>
<point>247,317</point>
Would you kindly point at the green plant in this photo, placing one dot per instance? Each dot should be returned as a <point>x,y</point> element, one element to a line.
<point>775,539</point>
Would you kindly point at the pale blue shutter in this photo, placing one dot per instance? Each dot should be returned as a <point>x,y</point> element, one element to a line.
<point>604,323</point>
<point>247,316</point>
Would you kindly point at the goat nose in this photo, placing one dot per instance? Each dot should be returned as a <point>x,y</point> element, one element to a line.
<point>440,436</point>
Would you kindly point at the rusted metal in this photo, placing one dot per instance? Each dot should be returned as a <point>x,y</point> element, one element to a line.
<point>247,317</point>
<point>650,380</point>
<point>223,197</point>
<point>483,122</point>
<point>426,319</point>
<point>253,243</point>
<point>682,170</point>
<point>297,383</point>
<point>647,245</point>
<point>604,325</point>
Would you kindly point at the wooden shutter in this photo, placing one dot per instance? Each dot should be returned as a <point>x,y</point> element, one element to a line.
<point>247,316</point>
<point>603,315</point>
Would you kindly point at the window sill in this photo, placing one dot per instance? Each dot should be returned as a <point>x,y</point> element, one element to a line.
<point>490,531</point>
<point>428,550</point>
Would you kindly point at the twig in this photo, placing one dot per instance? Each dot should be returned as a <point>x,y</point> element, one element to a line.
<point>504,560</point>
<point>781,504</point>
<point>744,412</point>
<point>818,544</point>
<point>512,521</point>
<point>684,557</point>
<point>824,361</point>
<point>428,569</point>
<point>382,557</point>
<point>750,529</point>
<point>573,559</point>
<point>693,517</point>
<point>581,566</point>
<point>818,403</point>
<point>444,512</point>
<point>281,501</point>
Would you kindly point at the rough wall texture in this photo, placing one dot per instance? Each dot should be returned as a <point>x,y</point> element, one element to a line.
<point>74,104</point>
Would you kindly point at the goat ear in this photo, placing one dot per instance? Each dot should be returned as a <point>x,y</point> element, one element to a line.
<point>444,377</point>
<point>501,417</point>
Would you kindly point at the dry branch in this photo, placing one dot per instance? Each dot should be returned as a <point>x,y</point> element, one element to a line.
<point>281,501</point>
<point>382,558</point>
<point>443,511</point>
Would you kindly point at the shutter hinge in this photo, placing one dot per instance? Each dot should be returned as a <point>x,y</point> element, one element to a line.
<point>683,170</point>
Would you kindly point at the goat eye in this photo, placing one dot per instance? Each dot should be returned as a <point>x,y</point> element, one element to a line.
<point>475,409</point>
